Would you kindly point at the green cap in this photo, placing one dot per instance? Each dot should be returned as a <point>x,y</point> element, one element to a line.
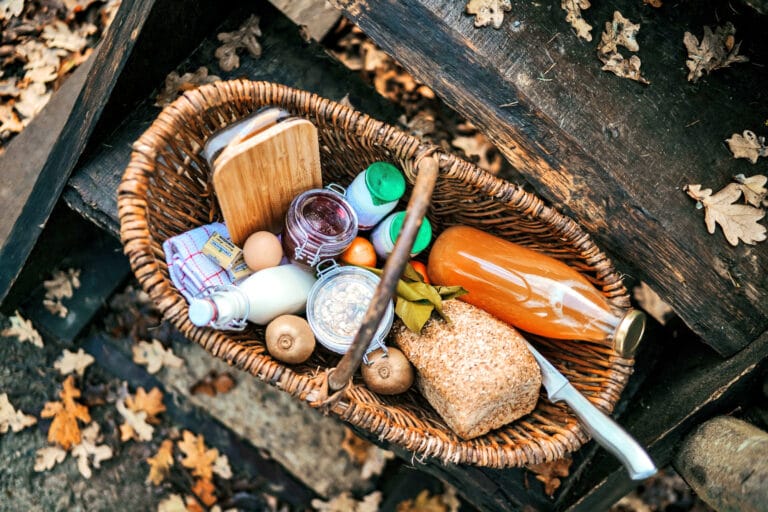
<point>423,237</point>
<point>385,182</point>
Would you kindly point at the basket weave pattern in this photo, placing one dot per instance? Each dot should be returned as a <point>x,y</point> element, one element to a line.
<point>166,190</point>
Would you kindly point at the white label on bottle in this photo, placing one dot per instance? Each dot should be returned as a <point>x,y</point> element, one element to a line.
<point>368,213</point>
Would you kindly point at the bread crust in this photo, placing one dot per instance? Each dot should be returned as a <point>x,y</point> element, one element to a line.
<point>477,372</point>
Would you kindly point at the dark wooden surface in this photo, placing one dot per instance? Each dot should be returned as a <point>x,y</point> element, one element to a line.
<point>688,386</point>
<point>611,153</point>
<point>691,385</point>
<point>38,162</point>
<point>286,58</point>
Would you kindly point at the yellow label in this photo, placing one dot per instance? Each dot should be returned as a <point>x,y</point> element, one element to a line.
<point>222,250</point>
<point>239,269</point>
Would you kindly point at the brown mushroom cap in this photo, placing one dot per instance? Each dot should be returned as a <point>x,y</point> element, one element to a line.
<point>290,339</point>
<point>388,373</point>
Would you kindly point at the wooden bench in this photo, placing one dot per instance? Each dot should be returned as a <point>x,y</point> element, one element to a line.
<point>679,382</point>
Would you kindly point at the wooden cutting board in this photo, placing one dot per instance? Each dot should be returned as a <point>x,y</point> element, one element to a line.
<point>256,179</point>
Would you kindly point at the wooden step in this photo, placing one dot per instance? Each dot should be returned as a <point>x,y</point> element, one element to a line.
<point>611,153</point>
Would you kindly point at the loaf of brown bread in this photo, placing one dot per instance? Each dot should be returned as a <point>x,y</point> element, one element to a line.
<point>477,372</point>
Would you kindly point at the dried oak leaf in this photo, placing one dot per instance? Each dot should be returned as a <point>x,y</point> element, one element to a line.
<point>370,457</point>
<point>55,307</point>
<point>244,37</point>
<point>716,50</point>
<point>213,384</point>
<point>135,426</point>
<point>75,6</point>
<point>10,87</point>
<point>64,430</point>
<point>31,101</point>
<point>478,146</point>
<point>173,503</point>
<point>550,473</point>
<point>619,66</point>
<point>48,456</point>
<point>748,146</point>
<point>63,284</point>
<point>151,403</point>
<point>488,12</point>
<point>196,457</point>
<point>59,35</point>
<point>222,468</point>
<point>738,221</point>
<point>73,362</point>
<point>423,502</point>
<point>160,464</point>
<point>574,8</point>
<point>155,356</point>
<point>42,62</point>
<point>620,32</point>
<point>344,502</point>
<point>23,330</point>
<point>355,446</point>
<point>9,121</point>
<point>10,8</point>
<point>175,84</point>
<point>12,419</point>
<point>89,452</point>
<point>205,490</point>
<point>753,188</point>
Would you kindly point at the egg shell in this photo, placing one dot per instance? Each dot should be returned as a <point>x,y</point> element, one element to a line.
<point>262,250</point>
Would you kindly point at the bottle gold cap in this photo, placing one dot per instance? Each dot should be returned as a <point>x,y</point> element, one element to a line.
<point>629,332</point>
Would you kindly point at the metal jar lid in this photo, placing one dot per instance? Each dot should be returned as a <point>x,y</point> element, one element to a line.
<point>337,304</point>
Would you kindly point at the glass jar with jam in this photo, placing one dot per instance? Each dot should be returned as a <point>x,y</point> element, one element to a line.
<point>320,224</point>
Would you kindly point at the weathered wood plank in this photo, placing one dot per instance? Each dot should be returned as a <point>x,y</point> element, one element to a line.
<point>611,153</point>
<point>688,387</point>
<point>286,58</point>
<point>38,162</point>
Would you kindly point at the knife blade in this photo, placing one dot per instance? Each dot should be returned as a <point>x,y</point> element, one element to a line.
<point>603,429</point>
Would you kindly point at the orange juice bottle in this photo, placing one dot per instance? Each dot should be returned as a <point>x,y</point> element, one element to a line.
<point>529,290</point>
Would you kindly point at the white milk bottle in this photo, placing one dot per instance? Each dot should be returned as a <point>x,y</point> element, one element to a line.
<point>261,297</point>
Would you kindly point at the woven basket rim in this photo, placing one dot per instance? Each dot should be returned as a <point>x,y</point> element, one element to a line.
<point>354,404</point>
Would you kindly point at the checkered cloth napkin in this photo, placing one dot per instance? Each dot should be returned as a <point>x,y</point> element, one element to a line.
<point>192,271</point>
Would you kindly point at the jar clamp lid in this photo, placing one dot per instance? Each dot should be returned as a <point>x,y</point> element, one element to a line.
<point>423,237</point>
<point>385,182</point>
<point>337,304</point>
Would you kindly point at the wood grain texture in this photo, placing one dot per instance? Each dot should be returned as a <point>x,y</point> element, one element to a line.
<point>611,153</point>
<point>38,162</point>
<point>255,180</point>
<point>687,388</point>
<point>286,58</point>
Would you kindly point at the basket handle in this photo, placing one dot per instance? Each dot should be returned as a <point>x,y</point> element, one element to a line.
<point>393,269</point>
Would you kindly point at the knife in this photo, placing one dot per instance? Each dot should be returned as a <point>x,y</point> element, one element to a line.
<point>603,429</point>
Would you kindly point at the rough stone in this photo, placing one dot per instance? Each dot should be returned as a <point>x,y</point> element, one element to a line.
<point>725,460</point>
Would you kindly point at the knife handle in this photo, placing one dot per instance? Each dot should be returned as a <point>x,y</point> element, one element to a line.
<point>611,436</point>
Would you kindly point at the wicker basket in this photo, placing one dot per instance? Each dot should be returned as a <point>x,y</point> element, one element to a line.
<point>166,190</point>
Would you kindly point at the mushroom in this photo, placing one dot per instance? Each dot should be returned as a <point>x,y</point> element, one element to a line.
<point>387,373</point>
<point>290,339</point>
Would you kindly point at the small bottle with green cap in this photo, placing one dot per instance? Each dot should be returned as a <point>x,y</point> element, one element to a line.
<point>374,193</point>
<point>386,233</point>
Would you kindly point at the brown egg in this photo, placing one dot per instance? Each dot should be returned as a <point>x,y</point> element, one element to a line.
<point>262,250</point>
